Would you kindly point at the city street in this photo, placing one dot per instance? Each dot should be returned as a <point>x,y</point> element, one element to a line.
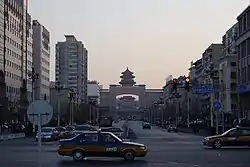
<point>165,150</point>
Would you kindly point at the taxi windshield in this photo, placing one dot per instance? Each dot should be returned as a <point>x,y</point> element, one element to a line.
<point>227,132</point>
<point>117,138</point>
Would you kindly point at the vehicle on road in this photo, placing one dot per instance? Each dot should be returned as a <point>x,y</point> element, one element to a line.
<point>239,136</point>
<point>172,128</point>
<point>146,126</point>
<point>69,133</point>
<point>116,131</point>
<point>100,144</point>
<point>58,131</point>
<point>83,128</point>
<point>47,134</point>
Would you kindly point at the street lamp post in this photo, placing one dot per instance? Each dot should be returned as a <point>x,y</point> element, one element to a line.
<point>58,88</point>
<point>71,109</point>
<point>33,76</point>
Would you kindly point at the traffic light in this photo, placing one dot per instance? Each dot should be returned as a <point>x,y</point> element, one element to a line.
<point>175,84</point>
<point>187,83</point>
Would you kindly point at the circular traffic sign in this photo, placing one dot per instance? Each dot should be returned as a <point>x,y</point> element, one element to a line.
<point>217,105</point>
<point>42,108</point>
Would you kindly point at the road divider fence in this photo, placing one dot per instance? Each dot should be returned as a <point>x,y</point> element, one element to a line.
<point>11,136</point>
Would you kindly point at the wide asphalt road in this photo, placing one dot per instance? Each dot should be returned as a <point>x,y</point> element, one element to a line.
<point>165,150</point>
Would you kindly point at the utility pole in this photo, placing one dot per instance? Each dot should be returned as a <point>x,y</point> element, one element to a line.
<point>58,88</point>
<point>188,109</point>
<point>33,77</point>
<point>71,109</point>
<point>90,111</point>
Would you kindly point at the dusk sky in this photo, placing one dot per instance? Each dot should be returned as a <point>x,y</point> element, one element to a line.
<point>154,38</point>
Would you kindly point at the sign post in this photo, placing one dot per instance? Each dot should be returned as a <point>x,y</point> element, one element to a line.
<point>39,113</point>
<point>217,106</point>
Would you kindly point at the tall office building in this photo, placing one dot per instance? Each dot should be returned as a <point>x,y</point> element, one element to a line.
<point>16,47</point>
<point>41,60</point>
<point>72,65</point>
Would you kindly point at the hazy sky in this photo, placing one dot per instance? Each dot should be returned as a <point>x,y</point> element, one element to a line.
<point>154,38</point>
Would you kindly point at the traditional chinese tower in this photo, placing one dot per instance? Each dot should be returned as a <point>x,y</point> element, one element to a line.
<point>127,78</point>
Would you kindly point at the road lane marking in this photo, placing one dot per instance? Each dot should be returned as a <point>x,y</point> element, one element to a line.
<point>180,163</point>
<point>218,153</point>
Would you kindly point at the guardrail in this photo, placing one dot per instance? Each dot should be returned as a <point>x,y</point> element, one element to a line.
<point>11,136</point>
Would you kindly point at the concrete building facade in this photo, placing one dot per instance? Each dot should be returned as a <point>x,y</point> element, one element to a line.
<point>72,66</point>
<point>210,78</point>
<point>228,72</point>
<point>17,45</point>
<point>41,60</point>
<point>94,89</point>
<point>127,87</point>
<point>243,51</point>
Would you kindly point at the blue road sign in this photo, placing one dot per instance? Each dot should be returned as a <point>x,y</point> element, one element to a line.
<point>204,89</point>
<point>242,89</point>
<point>217,105</point>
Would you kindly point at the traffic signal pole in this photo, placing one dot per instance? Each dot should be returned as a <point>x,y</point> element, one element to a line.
<point>188,108</point>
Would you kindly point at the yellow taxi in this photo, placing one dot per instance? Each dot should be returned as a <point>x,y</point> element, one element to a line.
<point>238,136</point>
<point>100,144</point>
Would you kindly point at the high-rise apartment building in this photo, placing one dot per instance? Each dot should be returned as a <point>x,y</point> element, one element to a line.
<point>228,73</point>
<point>41,60</point>
<point>16,47</point>
<point>71,66</point>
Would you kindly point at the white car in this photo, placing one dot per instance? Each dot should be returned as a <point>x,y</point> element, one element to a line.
<point>47,134</point>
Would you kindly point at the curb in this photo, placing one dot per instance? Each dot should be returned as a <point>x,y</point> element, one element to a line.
<point>12,136</point>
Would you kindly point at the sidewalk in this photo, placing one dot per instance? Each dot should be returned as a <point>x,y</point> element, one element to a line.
<point>11,136</point>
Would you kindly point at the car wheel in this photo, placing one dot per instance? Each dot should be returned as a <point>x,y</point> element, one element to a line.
<point>217,144</point>
<point>129,156</point>
<point>78,155</point>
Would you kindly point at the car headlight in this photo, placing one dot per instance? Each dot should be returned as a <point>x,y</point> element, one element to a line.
<point>206,138</point>
<point>48,136</point>
<point>143,148</point>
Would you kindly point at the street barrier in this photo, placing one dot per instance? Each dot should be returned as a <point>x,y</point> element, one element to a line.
<point>11,136</point>
<point>128,132</point>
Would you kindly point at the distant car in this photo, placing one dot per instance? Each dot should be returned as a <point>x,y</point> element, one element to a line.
<point>69,133</point>
<point>116,131</point>
<point>58,131</point>
<point>172,128</point>
<point>83,128</point>
<point>47,134</point>
<point>146,126</point>
<point>100,144</point>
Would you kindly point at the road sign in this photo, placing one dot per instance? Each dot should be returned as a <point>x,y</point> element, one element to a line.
<point>242,89</point>
<point>204,89</point>
<point>42,109</point>
<point>39,113</point>
<point>217,105</point>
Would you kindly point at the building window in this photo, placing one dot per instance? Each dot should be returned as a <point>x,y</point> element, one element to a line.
<point>240,26</point>
<point>248,73</point>
<point>233,64</point>
<point>233,86</point>
<point>244,22</point>
<point>243,49</point>
<point>233,106</point>
<point>233,75</point>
